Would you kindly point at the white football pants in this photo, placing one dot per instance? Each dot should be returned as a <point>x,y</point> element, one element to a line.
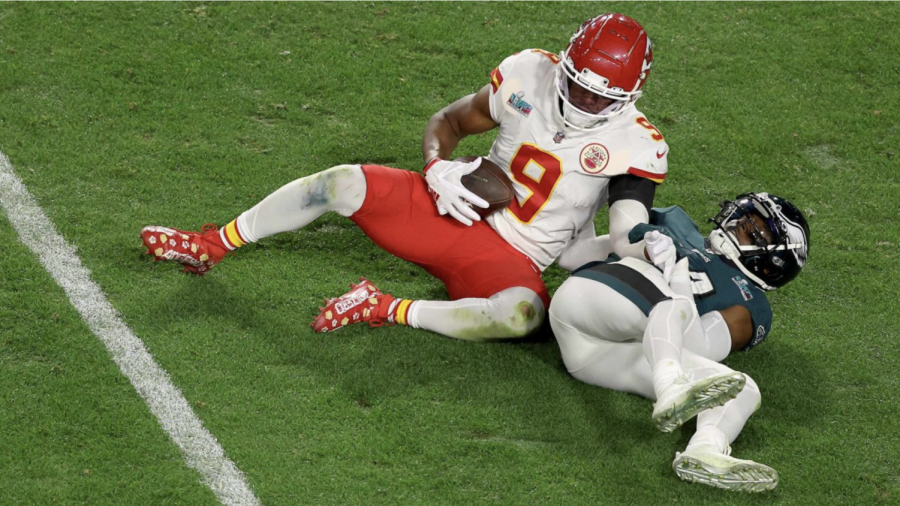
<point>600,335</point>
<point>511,313</point>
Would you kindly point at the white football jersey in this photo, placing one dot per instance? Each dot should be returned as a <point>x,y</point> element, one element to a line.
<point>560,174</point>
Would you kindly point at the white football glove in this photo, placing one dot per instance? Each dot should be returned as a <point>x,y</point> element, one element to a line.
<point>444,182</point>
<point>681,279</point>
<point>661,251</point>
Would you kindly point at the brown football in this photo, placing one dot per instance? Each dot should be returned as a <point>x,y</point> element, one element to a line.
<point>489,182</point>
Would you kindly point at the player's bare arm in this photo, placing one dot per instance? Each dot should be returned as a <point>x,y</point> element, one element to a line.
<point>630,199</point>
<point>740,326</point>
<point>470,115</point>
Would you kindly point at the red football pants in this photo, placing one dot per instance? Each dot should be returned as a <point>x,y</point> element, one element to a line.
<point>399,216</point>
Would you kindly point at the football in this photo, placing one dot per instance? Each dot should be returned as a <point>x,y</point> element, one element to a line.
<point>489,182</point>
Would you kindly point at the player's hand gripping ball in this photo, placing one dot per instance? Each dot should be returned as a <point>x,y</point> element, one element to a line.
<point>490,183</point>
<point>468,188</point>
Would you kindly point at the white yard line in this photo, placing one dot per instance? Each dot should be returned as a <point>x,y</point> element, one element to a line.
<point>201,450</point>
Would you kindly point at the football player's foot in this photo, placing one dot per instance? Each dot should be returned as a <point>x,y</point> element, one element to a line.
<point>707,465</point>
<point>683,399</point>
<point>196,251</point>
<point>363,303</point>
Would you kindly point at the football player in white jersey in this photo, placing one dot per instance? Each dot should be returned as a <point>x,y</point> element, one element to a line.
<point>569,137</point>
<point>627,326</point>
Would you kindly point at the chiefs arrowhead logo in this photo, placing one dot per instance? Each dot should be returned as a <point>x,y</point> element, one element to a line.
<point>594,158</point>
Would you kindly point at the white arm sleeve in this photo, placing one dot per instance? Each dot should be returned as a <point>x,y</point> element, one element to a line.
<point>715,341</point>
<point>586,247</point>
<point>623,216</point>
<point>681,280</point>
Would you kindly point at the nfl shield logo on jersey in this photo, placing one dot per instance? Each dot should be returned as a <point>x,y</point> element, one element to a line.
<point>594,158</point>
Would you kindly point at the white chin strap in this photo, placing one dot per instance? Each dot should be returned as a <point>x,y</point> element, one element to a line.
<point>577,119</point>
<point>724,243</point>
<point>580,120</point>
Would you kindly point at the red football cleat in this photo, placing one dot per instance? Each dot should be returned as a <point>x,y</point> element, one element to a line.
<point>363,303</point>
<point>196,251</point>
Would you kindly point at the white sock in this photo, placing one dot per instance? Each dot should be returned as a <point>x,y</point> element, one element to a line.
<point>474,319</point>
<point>710,436</point>
<point>665,372</point>
<point>722,425</point>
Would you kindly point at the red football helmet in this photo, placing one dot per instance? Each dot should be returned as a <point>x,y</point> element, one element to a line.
<point>609,56</point>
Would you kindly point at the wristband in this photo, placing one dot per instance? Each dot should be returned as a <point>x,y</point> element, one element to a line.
<point>430,163</point>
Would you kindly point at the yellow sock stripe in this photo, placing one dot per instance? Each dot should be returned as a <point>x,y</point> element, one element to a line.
<point>232,234</point>
<point>402,309</point>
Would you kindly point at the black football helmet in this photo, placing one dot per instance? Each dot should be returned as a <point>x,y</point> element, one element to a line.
<point>777,253</point>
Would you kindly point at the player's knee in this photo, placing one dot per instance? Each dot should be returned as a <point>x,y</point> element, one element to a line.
<point>341,188</point>
<point>751,392</point>
<point>342,172</point>
<point>678,308</point>
<point>530,314</point>
<point>520,312</point>
<point>579,374</point>
<point>524,318</point>
<point>566,302</point>
<point>681,304</point>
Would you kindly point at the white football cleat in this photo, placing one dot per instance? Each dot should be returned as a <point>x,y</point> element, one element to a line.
<point>707,465</point>
<point>683,399</point>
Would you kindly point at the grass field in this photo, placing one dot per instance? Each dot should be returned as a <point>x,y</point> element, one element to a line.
<point>120,115</point>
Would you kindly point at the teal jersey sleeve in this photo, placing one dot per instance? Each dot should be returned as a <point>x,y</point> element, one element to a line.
<point>673,222</point>
<point>717,284</point>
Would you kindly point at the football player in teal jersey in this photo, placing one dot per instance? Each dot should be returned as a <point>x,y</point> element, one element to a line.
<point>659,330</point>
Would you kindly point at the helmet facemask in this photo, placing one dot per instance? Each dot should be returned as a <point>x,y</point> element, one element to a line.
<point>609,56</point>
<point>777,251</point>
<point>573,116</point>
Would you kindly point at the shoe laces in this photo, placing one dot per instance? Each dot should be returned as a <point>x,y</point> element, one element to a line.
<point>211,228</point>
<point>382,321</point>
<point>207,228</point>
<point>686,376</point>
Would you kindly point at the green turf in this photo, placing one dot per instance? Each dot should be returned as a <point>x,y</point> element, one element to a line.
<point>125,114</point>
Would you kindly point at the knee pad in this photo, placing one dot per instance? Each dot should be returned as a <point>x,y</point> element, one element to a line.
<point>567,300</point>
<point>751,388</point>
<point>520,308</point>
<point>345,188</point>
<point>682,306</point>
